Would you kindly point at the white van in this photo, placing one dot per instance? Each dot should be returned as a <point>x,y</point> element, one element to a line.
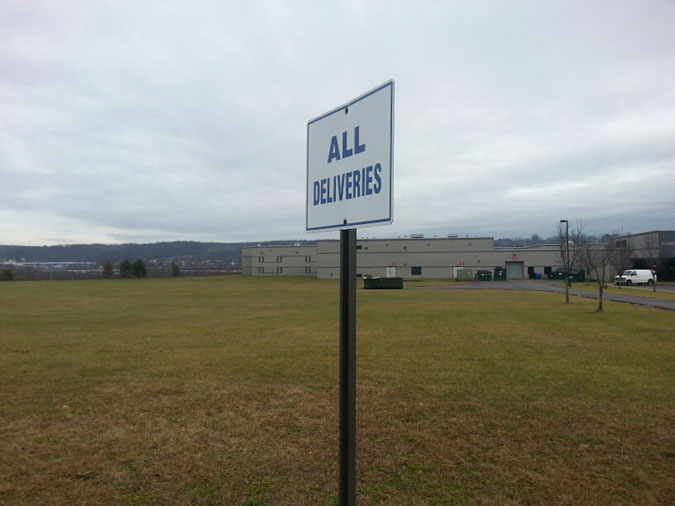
<point>636,277</point>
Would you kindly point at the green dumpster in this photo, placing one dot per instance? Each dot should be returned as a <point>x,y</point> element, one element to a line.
<point>500,273</point>
<point>578,276</point>
<point>484,276</point>
<point>382,283</point>
<point>557,274</point>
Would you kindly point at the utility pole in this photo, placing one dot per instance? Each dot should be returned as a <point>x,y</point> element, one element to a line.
<point>567,259</point>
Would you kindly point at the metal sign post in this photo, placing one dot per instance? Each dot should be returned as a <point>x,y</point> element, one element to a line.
<point>347,424</point>
<point>350,162</point>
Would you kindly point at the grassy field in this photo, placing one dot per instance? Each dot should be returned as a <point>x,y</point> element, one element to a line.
<point>224,391</point>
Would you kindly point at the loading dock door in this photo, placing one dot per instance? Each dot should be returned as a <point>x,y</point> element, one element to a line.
<point>515,270</point>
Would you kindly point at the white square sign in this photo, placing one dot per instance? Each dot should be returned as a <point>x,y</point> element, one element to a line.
<point>350,163</point>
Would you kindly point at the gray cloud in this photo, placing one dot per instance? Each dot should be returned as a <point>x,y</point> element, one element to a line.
<point>126,121</point>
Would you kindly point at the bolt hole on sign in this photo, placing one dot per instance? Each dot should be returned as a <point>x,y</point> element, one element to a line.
<point>350,163</point>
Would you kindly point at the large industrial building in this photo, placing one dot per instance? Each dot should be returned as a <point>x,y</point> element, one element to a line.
<point>441,258</point>
<point>407,258</point>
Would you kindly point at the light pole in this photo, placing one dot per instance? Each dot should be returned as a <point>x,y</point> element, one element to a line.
<point>567,251</point>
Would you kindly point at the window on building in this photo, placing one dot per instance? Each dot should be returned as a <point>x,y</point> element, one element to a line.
<point>308,258</point>
<point>279,259</point>
<point>547,270</point>
<point>416,271</point>
<point>358,246</point>
<point>261,270</point>
<point>308,270</point>
<point>279,270</point>
<point>261,259</point>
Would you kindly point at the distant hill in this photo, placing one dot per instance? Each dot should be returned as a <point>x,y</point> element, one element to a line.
<point>161,251</point>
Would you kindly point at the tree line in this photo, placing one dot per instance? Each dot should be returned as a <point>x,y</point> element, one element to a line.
<point>100,253</point>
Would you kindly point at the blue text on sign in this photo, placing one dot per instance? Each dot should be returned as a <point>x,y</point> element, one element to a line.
<point>334,151</point>
<point>350,185</point>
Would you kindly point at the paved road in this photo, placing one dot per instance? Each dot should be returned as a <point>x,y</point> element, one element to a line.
<point>552,286</point>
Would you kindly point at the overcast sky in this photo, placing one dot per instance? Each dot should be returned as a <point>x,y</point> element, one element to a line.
<point>152,121</point>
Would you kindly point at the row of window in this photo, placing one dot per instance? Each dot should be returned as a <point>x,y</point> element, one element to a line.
<point>415,271</point>
<point>280,270</point>
<point>261,259</point>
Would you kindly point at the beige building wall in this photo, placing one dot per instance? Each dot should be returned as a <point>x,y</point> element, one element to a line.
<point>424,258</point>
<point>279,261</point>
<point>433,258</point>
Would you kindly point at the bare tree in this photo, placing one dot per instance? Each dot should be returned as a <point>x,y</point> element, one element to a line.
<point>598,257</point>
<point>653,255</point>
<point>569,242</point>
<point>622,258</point>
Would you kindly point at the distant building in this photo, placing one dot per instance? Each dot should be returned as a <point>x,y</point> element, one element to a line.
<point>279,260</point>
<point>408,258</point>
<point>440,258</point>
<point>648,247</point>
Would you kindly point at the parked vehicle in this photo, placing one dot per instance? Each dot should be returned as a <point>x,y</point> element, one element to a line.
<point>636,277</point>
